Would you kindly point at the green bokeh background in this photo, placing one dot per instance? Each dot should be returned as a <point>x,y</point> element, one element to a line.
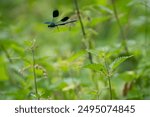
<point>60,51</point>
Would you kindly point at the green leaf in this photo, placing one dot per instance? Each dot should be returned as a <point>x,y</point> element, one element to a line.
<point>76,55</point>
<point>117,62</point>
<point>106,9</point>
<point>3,71</point>
<point>95,67</point>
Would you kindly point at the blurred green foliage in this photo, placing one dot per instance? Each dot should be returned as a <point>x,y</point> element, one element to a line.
<point>61,61</point>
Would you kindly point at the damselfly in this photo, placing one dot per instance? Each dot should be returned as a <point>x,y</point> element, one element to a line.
<point>63,21</point>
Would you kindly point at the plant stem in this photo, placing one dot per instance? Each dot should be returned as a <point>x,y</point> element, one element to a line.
<point>34,73</point>
<point>81,23</point>
<point>110,89</point>
<point>124,41</point>
<point>83,31</point>
<point>146,24</point>
<point>109,78</point>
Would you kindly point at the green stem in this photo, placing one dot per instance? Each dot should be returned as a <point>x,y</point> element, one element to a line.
<point>81,23</point>
<point>146,25</point>
<point>83,30</point>
<point>109,78</point>
<point>110,89</point>
<point>124,41</point>
<point>34,74</point>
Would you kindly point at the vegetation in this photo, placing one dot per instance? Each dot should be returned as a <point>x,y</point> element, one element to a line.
<point>103,55</point>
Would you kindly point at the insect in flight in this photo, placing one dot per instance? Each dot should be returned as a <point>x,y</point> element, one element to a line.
<point>63,21</point>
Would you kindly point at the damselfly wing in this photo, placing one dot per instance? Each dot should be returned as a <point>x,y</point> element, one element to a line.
<point>63,21</point>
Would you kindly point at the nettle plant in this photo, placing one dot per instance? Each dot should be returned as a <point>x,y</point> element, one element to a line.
<point>106,69</point>
<point>37,71</point>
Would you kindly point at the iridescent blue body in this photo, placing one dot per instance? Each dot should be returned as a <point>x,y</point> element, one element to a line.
<point>53,24</point>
